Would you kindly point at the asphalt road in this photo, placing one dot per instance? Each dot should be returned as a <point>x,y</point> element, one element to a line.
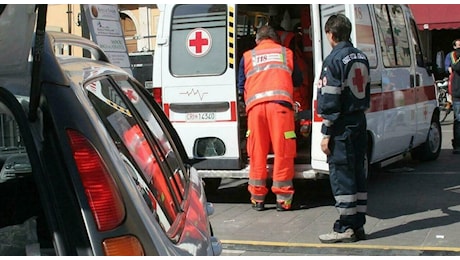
<point>413,209</point>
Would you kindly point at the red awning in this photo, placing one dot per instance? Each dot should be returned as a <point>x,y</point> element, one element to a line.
<point>436,16</point>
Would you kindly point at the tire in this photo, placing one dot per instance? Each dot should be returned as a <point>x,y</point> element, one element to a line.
<point>442,115</point>
<point>211,185</point>
<point>429,150</point>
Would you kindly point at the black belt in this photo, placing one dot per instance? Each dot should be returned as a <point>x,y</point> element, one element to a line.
<point>284,104</point>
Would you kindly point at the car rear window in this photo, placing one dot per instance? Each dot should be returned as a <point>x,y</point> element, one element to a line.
<point>146,148</point>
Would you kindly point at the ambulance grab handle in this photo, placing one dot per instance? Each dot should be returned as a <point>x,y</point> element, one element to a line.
<point>417,80</point>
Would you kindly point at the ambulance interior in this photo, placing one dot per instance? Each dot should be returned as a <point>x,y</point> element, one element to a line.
<point>294,19</point>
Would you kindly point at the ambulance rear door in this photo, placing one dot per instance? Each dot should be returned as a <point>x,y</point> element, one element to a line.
<point>321,48</point>
<point>194,73</point>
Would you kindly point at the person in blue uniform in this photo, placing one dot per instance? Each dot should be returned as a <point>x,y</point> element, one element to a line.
<point>343,98</point>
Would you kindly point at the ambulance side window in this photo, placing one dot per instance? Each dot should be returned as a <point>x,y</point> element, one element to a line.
<point>394,40</point>
<point>417,44</point>
<point>198,43</point>
<point>365,34</point>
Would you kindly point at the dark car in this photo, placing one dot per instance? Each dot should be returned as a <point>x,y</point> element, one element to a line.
<point>90,164</point>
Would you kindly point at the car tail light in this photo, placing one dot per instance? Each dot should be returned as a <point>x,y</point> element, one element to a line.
<point>158,95</point>
<point>100,189</point>
<point>123,246</point>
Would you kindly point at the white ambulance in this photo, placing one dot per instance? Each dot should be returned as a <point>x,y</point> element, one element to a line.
<point>196,72</point>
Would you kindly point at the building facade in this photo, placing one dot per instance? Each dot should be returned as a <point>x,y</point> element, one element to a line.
<point>139,23</point>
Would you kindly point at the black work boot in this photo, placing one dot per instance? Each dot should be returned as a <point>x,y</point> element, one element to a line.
<point>360,233</point>
<point>455,146</point>
<point>283,205</point>
<point>258,205</point>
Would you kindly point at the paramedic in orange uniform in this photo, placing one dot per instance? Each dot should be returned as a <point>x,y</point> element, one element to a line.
<point>303,92</point>
<point>290,40</point>
<point>266,81</point>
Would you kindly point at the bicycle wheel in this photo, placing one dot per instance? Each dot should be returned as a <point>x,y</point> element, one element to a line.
<point>443,114</point>
<point>444,105</point>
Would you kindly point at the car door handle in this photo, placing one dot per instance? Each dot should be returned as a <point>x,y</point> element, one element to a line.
<point>415,79</point>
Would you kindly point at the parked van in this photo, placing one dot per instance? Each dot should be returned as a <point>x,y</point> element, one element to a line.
<point>198,50</point>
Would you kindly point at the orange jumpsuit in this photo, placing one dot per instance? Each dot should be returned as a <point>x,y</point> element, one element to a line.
<point>303,93</point>
<point>268,68</point>
<point>286,39</point>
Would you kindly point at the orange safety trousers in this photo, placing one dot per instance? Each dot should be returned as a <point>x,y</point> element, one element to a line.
<point>271,125</point>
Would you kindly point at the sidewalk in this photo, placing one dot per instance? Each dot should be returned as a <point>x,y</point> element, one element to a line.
<point>413,209</point>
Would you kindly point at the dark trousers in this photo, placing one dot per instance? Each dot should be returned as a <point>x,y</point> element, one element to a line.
<point>456,129</point>
<point>347,171</point>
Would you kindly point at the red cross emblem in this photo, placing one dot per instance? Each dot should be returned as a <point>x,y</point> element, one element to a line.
<point>131,95</point>
<point>357,79</point>
<point>199,42</point>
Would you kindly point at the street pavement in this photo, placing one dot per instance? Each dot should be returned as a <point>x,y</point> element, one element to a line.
<point>413,209</point>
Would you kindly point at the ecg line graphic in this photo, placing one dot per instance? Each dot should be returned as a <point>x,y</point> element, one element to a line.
<point>194,92</point>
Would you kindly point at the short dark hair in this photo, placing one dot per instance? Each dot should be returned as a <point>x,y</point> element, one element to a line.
<point>340,27</point>
<point>267,32</point>
<point>455,41</point>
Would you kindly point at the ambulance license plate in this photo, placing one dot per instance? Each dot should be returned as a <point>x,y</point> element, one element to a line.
<point>200,117</point>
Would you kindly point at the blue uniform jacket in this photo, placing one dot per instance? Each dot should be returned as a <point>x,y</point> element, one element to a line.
<point>344,86</point>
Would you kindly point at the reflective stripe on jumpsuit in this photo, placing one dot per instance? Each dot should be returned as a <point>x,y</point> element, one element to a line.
<point>270,123</point>
<point>281,131</point>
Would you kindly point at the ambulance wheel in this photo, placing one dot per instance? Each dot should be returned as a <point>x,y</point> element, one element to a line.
<point>429,150</point>
<point>211,185</point>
